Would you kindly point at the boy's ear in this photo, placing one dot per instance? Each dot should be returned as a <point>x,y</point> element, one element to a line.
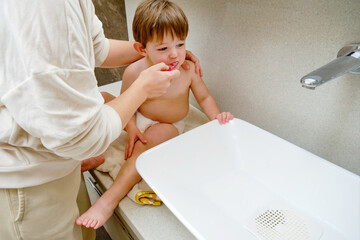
<point>140,49</point>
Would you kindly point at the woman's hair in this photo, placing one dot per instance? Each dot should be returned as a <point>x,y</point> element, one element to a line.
<point>154,18</point>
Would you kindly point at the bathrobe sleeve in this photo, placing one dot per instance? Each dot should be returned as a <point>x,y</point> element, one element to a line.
<point>58,100</point>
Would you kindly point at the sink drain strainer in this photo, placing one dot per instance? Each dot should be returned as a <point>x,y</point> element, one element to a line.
<point>279,222</point>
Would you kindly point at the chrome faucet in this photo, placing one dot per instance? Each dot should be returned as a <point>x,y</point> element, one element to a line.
<point>348,60</point>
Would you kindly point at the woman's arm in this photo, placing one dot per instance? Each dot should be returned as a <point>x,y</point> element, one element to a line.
<point>120,53</point>
<point>123,53</point>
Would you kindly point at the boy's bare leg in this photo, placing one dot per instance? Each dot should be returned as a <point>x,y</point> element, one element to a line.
<point>127,177</point>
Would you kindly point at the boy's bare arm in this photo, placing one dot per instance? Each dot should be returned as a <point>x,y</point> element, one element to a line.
<point>207,102</point>
<point>203,96</point>
<point>129,77</point>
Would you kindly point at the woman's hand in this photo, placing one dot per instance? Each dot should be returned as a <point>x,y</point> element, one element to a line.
<point>156,79</point>
<point>152,82</point>
<point>190,56</point>
<point>224,117</point>
<point>134,135</point>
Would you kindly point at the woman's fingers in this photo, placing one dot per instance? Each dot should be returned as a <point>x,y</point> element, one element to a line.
<point>156,80</point>
<point>190,56</point>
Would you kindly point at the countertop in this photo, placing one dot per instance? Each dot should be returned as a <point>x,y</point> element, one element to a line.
<point>147,222</point>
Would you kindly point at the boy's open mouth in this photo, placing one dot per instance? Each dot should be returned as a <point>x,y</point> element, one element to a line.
<point>172,66</point>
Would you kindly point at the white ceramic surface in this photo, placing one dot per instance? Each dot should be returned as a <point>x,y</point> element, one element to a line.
<point>215,177</point>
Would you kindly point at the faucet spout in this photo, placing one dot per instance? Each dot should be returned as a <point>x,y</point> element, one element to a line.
<point>350,62</point>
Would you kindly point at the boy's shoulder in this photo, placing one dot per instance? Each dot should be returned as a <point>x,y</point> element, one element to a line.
<point>134,69</point>
<point>138,65</point>
<point>190,70</point>
<point>191,64</point>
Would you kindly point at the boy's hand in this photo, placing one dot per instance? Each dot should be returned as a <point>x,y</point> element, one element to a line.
<point>190,56</point>
<point>134,134</point>
<point>224,117</point>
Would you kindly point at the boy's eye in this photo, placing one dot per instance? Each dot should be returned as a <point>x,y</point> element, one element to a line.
<point>162,49</point>
<point>180,44</point>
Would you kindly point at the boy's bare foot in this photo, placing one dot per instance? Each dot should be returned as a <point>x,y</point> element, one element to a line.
<point>98,214</point>
<point>91,163</point>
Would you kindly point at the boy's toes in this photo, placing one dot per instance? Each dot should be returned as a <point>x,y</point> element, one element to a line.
<point>80,221</point>
<point>88,224</point>
<point>95,224</point>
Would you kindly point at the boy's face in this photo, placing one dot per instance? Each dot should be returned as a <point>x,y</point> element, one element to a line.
<point>170,51</point>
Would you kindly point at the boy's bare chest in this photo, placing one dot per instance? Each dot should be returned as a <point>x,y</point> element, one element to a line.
<point>179,86</point>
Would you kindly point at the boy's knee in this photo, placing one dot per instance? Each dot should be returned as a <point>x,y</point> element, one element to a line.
<point>163,131</point>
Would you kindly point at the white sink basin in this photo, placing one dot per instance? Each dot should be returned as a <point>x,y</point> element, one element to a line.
<point>229,181</point>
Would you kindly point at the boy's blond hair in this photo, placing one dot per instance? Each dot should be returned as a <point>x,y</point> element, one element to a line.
<point>154,18</point>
